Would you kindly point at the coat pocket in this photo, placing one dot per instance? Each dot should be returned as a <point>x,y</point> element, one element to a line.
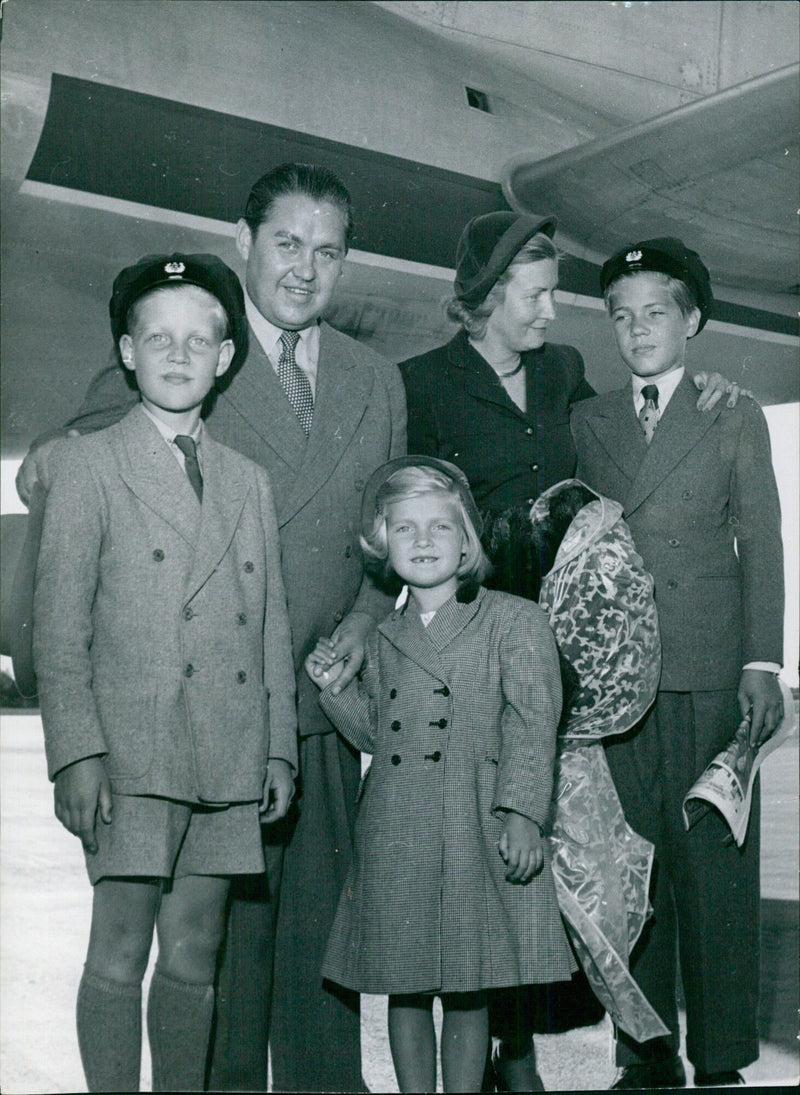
<point>127,710</point>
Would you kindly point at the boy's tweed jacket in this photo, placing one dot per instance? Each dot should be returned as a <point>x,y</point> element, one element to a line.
<point>160,626</point>
<point>461,718</point>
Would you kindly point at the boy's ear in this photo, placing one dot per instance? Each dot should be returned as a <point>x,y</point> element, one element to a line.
<point>126,351</point>
<point>694,320</point>
<point>244,238</point>
<point>226,352</point>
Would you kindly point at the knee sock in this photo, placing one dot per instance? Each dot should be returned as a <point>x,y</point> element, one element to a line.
<point>179,1016</point>
<point>109,1017</point>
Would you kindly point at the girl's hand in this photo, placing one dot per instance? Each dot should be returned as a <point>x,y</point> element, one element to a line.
<point>324,664</point>
<point>81,791</point>
<point>520,847</point>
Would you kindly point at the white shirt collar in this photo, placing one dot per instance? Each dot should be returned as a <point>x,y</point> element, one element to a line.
<point>168,433</point>
<point>666,384</point>
<point>269,335</point>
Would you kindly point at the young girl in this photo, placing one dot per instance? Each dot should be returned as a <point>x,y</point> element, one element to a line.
<point>450,892</point>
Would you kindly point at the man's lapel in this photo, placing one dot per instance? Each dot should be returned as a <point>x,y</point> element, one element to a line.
<point>154,475</point>
<point>678,431</point>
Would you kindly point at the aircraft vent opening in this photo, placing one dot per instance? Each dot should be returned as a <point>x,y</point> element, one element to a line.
<point>478,100</point>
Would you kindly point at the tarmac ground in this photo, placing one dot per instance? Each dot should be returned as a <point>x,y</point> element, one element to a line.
<point>45,904</point>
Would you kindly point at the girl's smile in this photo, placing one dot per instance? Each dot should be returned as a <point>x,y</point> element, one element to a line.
<point>426,545</point>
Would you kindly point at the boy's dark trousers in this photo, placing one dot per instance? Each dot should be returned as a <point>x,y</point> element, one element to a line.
<point>704,890</point>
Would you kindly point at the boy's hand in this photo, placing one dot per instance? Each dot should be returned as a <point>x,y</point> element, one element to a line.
<point>324,664</point>
<point>760,693</point>
<point>81,790</point>
<point>520,848</point>
<point>713,387</point>
<point>278,790</point>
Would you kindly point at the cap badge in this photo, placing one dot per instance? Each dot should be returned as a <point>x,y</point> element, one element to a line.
<point>633,256</point>
<point>174,268</point>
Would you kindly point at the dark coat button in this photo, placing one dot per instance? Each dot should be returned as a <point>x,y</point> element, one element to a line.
<point>529,431</point>
<point>436,756</point>
<point>441,723</point>
<point>241,676</point>
<point>359,484</point>
<point>248,567</point>
<point>189,670</point>
<point>534,467</point>
<point>241,617</point>
<point>396,724</point>
<point>393,694</point>
<point>687,494</point>
<point>188,612</point>
<point>158,555</point>
<point>395,759</point>
<point>672,584</point>
<point>442,691</point>
<point>348,551</point>
<point>338,617</point>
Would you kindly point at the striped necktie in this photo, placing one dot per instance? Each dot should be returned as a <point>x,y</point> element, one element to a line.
<point>648,415</point>
<point>189,449</point>
<point>295,382</point>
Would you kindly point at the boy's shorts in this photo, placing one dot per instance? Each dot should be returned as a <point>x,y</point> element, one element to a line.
<point>164,838</point>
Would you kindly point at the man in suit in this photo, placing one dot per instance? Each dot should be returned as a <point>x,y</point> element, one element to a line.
<point>700,498</point>
<point>320,412</point>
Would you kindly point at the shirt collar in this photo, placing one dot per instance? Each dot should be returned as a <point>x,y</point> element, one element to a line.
<point>168,433</point>
<point>269,335</point>
<point>666,385</point>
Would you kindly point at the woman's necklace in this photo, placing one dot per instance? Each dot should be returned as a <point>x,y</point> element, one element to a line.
<point>505,376</point>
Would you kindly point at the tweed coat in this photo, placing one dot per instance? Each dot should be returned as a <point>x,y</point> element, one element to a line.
<point>317,482</point>
<point>459,411</point>
<point>703,508</point>
<point>461,717</point>
<point>160,627</point>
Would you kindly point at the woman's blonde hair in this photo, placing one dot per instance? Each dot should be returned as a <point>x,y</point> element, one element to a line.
<point>474,319</point>
<point>411,482</point>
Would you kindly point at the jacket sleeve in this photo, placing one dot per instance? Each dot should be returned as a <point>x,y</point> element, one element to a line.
<point>279,677</point>
<point>66,582</point>
<point>756,513</point>
<point>531,682</point>
<point>108,399</point>
<point>579,386</point>
<point>422,432</point>
<point>354,711</point>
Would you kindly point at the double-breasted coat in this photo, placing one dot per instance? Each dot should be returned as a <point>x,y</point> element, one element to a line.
<point>160,625</point>
<point>461,717</point>
<point>702,505</point>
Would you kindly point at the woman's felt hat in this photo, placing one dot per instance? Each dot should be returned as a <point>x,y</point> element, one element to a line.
<point>488,246</point>
<point>665,255</point>
<point>385,471</point>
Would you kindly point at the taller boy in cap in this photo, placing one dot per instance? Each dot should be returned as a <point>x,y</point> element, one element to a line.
<point>165,673</point>
<point>700,498</point>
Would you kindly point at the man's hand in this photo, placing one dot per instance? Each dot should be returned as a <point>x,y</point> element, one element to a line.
<point>278,790</point>
<point>322,665</point>
<point>81,791</point>
<point>713,387</point>
<point>350,645</point>
<point>520,847</point>
<point>34,468</point>
<point>760,693</point>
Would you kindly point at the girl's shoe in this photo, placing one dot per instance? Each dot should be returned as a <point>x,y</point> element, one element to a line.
<point>516,1073</point>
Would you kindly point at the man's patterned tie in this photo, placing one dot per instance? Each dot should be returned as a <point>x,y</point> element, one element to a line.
<point>295,382</point>
<point>648,415</point>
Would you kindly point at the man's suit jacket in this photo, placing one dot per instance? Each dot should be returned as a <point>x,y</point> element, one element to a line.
<point>459,411</point>
<point>702,504</point>
<point>161,633</point>
<point>359,422</point>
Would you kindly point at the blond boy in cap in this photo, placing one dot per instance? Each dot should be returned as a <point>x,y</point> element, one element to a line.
<point>700,498</point>
<point>163,656</point>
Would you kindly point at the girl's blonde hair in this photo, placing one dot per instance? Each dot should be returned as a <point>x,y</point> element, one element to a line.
<point>411,482</point>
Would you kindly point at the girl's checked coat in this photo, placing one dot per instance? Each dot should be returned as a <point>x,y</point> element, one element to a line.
<point>461,718</point>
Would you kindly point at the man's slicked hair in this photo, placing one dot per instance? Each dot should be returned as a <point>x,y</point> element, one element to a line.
<point>309,179</point>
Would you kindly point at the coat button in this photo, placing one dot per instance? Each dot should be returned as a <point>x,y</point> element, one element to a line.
<point>436,756</point>
<point>530,501</point>
<point>395,759</point>
<point>441,723</point>
<point>393,694</point>
<point>158,555</point>
<point>529,431</point>
<point>396,724</point>
<point>442,691</point>
<point>348,551</point>
<point>189,670</point>
<point>534,467</point>
<point>241,617</point>
<point>338,617</point>
<point>188,612</point>
<point>672,584</point>
<point>241,676</point>
<point>359,484</point>
<point>687,494</point>
<point>248,567</point>
<point>674,543</point>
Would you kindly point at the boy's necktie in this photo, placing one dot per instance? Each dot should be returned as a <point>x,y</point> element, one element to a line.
<point>189,449</point>
<point>295,382</point>
<point>648,415</point>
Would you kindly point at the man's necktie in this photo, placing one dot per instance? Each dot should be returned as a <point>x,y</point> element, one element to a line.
<point>295,382</point>
<point>189,449</point>
<point>648,415</point>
